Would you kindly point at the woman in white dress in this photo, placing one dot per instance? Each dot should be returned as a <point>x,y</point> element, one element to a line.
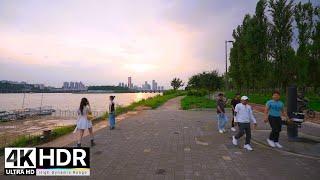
<point>83,122</point>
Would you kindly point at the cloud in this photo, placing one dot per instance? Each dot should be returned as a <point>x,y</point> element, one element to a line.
<point>110,40</point>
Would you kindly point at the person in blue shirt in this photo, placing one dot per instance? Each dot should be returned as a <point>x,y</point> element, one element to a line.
<point>273,111</point>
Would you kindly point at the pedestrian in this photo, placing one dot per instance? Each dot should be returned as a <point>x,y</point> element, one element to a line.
<point>234,102</point>
<point>244,115</point>
<point>273,111</point>
<point>83,122</point>
<point>112,113</point>
<point>222,118</point>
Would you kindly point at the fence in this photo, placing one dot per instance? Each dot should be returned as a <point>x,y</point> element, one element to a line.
<point>28,133</point>
<point>73,114</point>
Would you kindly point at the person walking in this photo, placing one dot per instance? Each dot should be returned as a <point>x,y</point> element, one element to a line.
<point>112,113</point>
<point>83,122</point>
<point>222,118</point>
<point>273,110</point>
<point>244,115</point>
<point>234,102</point>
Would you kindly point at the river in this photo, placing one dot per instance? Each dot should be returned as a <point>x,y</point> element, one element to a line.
<point>67,101</point>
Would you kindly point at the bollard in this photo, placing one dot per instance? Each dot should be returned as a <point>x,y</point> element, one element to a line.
<point>292,128</point>
<point>296,118</point>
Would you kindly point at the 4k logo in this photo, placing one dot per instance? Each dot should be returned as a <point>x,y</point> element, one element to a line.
<point>47,161</point>
<point>20,157</point>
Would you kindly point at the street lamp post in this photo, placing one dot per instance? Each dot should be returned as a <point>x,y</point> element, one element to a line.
<point>226,48</point>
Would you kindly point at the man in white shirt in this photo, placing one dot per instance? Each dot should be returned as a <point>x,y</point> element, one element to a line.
<point>244,115</point>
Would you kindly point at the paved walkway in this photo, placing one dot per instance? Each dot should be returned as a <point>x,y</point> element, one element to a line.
<point>169,143</point>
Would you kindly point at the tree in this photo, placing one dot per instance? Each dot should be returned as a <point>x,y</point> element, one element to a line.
<point>176,83</point>
<point>209,81</point>
<point>314,70</point>
<point>303,14</point>
<point>263,56</point>
<point>281,38</point>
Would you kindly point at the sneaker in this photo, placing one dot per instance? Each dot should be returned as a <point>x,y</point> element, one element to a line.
<point>248,147</point>
<point>234,141</point>
<point>278,145</point>
<point>220,131</point>
<point>224,130</point>
<point>271,143</point>
<point>233,129</point>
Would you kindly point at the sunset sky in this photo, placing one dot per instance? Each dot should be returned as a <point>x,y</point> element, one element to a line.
<point>104,42</point>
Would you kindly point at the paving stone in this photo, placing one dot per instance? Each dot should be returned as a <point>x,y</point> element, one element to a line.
<point>136,152</point>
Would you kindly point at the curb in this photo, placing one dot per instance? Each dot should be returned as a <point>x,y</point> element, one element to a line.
<point>261,143</point>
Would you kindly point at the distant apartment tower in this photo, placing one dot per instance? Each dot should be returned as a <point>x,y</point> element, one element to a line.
<point>154,85</point>
<point>72,85</point>
<point>65,85</point>
<point>129,82</point>
<point>146,86</point>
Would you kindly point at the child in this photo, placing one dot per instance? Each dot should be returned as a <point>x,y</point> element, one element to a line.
<point>112,113</point>
<point>274,109</point>
<point>244,115</point>
<point>222,118</point>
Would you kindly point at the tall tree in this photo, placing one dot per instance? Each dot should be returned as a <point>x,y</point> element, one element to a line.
<point>281,33</point>
<point>176,83</point>
<point>303,14</point>
<point>314,70</point>
<point>261,44</point>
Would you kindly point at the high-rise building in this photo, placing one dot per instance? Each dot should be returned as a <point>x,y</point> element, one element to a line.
<point>72,85</point>
<point>154,85</point>
<point>146,86</point>
<point>129,82</point>
<point>65,85</point>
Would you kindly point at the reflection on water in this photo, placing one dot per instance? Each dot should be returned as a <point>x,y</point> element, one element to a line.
<point>68,101</point>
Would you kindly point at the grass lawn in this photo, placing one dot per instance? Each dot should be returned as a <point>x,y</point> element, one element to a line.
<point>192,102</point>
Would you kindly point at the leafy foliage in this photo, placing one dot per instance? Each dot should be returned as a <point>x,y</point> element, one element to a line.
<point>264,54</point>
<point>176,83</point>
<point>209,81</point>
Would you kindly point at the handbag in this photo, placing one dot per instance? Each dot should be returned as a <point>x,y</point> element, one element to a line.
<point>90,116</point>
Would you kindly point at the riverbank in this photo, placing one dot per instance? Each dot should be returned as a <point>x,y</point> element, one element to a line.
<point>168,143</point>
<point>33,140</point>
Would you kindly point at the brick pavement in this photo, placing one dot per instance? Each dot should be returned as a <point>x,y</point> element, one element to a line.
<point>168,143</point>
<point>174,144</point>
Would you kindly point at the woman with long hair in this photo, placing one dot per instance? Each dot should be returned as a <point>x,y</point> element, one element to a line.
<point>83,121</point>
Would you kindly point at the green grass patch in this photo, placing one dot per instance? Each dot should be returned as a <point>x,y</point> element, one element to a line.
<point>192,102</point>
<point>152,102</point>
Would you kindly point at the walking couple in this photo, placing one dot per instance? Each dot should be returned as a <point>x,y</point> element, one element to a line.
<point>85,117</point>
<point>243,116</point>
